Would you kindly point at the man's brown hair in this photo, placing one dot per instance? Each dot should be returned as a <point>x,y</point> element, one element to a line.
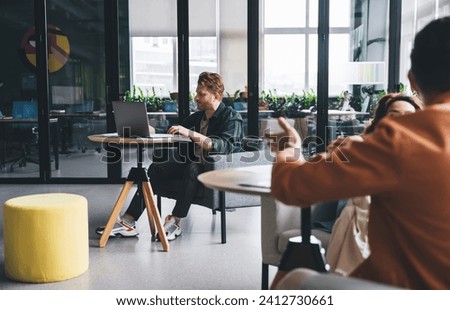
<point>213,82</point>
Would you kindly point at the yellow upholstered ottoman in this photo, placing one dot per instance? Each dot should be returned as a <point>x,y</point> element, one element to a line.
<point>46,237</point>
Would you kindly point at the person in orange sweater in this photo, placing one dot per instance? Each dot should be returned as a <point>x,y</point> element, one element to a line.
<point>404,165</point>
<point>348,244</point>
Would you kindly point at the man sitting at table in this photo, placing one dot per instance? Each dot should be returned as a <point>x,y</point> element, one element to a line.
<point>404,165</point>
<point>216,129</point>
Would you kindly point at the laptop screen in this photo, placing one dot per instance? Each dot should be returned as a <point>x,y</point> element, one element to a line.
<point>131,119</point>
<point>25,109</point>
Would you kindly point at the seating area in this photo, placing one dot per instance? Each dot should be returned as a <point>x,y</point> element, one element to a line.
<point>279,223</point>
<point>218,200</point>
<point>142,260</point>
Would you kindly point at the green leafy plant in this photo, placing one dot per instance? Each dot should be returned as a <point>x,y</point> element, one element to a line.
<point>234,97</point>
<point>273,102</point>
<point>296,103</point>
<point>135,95</point>
<point>152,100</point>
<point>309,99</point>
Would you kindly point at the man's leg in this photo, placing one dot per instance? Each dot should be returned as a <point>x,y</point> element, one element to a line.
<point>186,195</point>
<point>157,172</point>
<point>189,190</point>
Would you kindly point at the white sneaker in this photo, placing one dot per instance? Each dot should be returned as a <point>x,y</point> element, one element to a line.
<point>171,227</point>
<point>121,228</point>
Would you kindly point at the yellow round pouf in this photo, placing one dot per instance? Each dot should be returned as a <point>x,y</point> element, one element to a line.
<point>46,237</point>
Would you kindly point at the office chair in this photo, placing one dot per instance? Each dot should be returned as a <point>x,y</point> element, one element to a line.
<point>24,134</point>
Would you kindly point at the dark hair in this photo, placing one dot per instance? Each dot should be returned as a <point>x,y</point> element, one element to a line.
<point>384,104</point>
<point>212,81</point>
<point>430,57</point>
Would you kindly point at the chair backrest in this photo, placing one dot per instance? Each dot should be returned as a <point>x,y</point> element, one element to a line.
<point>24,109</point>
<point>250,143</point>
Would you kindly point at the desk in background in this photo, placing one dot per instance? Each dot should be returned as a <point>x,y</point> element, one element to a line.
<point>75,127</point>
<point>336,112</point>
<point>9,121</point>
<point>161,121</point>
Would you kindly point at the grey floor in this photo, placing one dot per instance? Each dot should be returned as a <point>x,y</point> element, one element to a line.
<point>196,260</point>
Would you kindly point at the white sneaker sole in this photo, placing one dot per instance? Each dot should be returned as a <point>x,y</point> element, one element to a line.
<point>169,238</point>
<point>174,235</point>
<point>122,233</point>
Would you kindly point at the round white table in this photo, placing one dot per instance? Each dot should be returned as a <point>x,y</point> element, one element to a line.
<point>301,251</point>
<point>245,180</point>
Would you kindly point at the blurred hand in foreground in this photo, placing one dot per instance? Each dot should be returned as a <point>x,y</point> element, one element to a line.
<point>288,138</point>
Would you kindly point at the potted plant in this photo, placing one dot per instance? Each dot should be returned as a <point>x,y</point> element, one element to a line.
<point>230,99</point>
<point>269,100</point>
<point>296,103</point>
<point>135,95</point>
<point>153,101</point>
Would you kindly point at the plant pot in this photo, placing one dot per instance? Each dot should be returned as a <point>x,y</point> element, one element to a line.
<point>170,106</point>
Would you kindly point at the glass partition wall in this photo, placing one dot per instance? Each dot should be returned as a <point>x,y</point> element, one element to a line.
<point>144,46</point>
<point>77,83</point>
<point>76,89</point>
<point>19,137</point>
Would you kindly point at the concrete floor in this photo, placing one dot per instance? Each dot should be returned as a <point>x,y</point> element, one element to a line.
<point>197,259</point>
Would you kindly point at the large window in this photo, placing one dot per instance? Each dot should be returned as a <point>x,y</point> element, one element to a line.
<point>290,45</point>
<point>154,63</point>
<point>154,44</point>
<point>415,15</point>
<point>288,37</point>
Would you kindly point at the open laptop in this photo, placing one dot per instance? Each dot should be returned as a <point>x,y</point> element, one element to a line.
<point>132,121</point>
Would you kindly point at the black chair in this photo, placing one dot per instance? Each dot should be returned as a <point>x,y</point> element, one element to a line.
<point>24,134</point>
<point>22,137</point>
<point>253,154</point>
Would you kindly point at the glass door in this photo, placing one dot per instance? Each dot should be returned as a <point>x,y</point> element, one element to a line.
<point>76,97</point>
<point>76,68</point>
<point>19,134</point>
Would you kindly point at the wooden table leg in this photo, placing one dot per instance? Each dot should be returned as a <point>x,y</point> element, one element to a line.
<point>151,216</point>
<point>115,213</point>
<point>150,204</point>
